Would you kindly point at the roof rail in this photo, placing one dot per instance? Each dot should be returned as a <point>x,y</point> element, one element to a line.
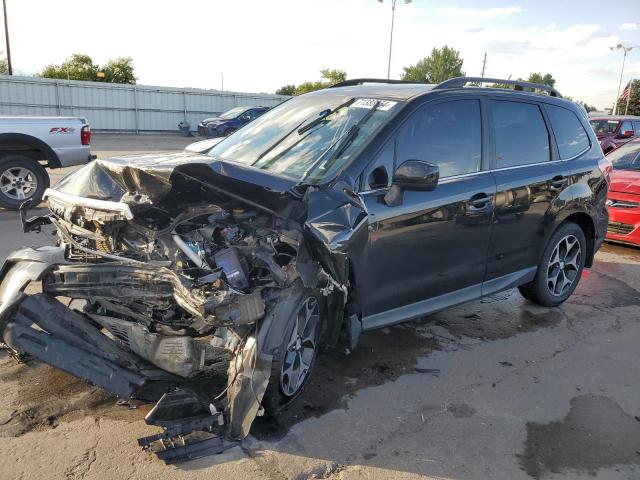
<point>521,85</point>
<point>360,81</point>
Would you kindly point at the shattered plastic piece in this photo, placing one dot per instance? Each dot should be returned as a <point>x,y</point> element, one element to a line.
<point>249,374</point>
<point>191,428</point>
<point>230,262</point>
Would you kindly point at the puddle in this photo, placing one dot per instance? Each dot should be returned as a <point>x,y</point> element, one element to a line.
<point>601,289</point>
<point>497,316</point>
<point>595,434</point>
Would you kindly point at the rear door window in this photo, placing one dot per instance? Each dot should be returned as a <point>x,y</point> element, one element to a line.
<point>520,133</point>
<point>571,137</point>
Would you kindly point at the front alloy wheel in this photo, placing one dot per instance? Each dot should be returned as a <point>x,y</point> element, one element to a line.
<point>301,348</point>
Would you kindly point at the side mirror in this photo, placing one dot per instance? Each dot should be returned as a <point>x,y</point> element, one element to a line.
<point>416,175</point>
<point>412,175</point>
<point>627,133</point>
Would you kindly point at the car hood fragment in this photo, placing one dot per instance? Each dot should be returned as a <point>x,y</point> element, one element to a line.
<point>174,179</point>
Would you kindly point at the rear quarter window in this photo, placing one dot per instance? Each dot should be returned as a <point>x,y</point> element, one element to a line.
<point>571,137</point>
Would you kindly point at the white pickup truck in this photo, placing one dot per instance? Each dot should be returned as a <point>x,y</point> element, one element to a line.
<point>28,145</point>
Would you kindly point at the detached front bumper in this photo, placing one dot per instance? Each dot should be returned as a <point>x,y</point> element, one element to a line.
<point>39,325</point>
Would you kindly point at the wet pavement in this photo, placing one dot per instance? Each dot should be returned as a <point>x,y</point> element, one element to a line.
<point>493,389</point>
<point>498,389</point>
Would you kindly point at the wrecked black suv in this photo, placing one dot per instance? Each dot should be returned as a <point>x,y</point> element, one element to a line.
<point>341,211</point>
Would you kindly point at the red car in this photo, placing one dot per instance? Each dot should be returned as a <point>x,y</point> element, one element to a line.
<point>615,131</point>
<point>624,194</point>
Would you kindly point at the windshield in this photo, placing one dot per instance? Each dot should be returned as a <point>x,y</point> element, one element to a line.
<point>233,113</point>
<point>308,138</point>
<point>626,157</point>
<point>604,126</point>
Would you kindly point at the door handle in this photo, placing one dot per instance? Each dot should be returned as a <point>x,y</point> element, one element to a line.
<point>479,201</point>
<point>558,182</point>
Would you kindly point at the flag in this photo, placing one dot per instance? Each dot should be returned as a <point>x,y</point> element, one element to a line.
<point>625,92</point>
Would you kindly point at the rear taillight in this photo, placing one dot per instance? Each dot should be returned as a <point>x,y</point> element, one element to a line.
<point>85,135</point>
<point>605,166</point>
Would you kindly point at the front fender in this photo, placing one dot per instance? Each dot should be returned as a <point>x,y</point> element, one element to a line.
<point>20,269</point>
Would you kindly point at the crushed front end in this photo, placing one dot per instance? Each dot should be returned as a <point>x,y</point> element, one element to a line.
<point>156,275</point>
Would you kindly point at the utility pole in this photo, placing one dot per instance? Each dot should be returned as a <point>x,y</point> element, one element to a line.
<point>6,36</point>
<point>221,82</point>
<point>484,64</point>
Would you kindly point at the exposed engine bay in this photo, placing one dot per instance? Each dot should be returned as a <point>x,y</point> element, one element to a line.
<point>163,285</point>
<point>150,283</point>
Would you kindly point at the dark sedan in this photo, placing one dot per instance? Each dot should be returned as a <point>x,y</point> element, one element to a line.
<point>229,121</point>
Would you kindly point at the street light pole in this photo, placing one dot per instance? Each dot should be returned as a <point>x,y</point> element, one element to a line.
<point>393,14</point>
<point>6,36</point>
<point>624,58</point>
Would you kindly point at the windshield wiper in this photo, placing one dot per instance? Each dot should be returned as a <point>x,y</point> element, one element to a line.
<point>322,115</point>
<point>345,141</point>
<point>301,129</point>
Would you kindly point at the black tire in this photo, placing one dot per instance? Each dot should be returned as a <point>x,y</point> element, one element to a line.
<point>15,185</point>
<point>276,396</point>
<point>560,267</point>
<point>230,131</point>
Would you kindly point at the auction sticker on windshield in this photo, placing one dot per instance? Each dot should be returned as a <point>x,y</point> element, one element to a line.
<point>370,102</point>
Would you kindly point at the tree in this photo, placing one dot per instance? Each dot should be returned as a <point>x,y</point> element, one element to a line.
<point>546,79</point>
<point>119,70</point>
<point>585,105</point>
<point>333,76</point>
<point>329,77</point>
<point>443,63</point>
<point>4,67</point>
<point>81,67</point>
<point>634,101</point>
<point>78,67</point>
<point>286,90</point>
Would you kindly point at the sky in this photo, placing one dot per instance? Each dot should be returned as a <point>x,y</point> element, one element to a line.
<point>260,45</point>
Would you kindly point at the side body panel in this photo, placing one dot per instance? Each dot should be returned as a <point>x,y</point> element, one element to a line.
<point>61,134</point>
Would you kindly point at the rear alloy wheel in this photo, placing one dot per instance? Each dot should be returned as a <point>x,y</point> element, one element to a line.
<point>564,265</point>
<point>21,179</point>
<point>559,269</point>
